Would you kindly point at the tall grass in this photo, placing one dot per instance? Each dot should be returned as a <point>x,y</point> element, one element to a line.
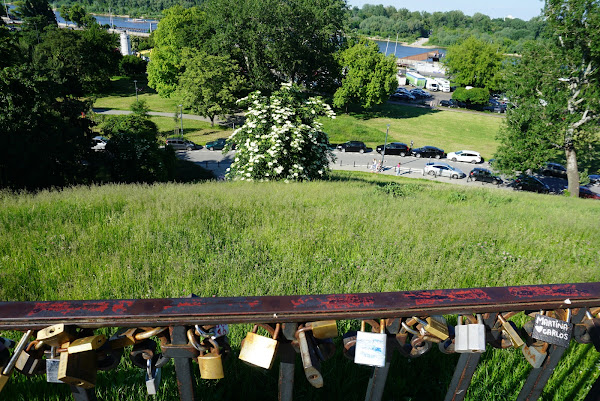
<point>356,233</point>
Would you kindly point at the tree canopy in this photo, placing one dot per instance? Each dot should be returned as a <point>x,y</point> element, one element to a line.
<point>475,63</point>
<point>209,84</point>
<point>368,76</point>
<point>555,89</point>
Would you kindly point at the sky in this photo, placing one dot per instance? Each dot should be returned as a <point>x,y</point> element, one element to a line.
<point>524,9</point>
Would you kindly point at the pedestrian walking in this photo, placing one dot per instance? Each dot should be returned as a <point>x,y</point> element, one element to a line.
<point>398,169</point>
<point>374,165</point>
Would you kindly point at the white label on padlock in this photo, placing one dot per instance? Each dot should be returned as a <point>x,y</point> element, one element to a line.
<point>220,330</point>
<point>476,337</point>
<point>461,338</point>
<point>370,348</point>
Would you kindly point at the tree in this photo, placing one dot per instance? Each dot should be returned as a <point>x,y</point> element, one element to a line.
<point>132,66</point>
<point>555,88</point>
<point>133,152</point>
<point>281,138</point>
<point>479,96</point>
<point>474,62</point>
<point>180,28</point>
<point>36,14</point>
<point>369,77</point>
<point>209,84</point>
<point>77,14</point>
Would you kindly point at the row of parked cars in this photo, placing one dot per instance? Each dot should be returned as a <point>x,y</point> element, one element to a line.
<point>179,143</point>
<point>403,94</point>
<point>494,105</point>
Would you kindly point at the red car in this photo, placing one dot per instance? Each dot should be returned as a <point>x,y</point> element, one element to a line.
<point>585,192</point>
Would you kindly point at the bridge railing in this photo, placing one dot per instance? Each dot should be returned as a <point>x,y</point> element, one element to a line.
<point>61,340</point>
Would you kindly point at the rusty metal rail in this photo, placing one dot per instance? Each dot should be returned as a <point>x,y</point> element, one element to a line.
<point>292,316</point>
<point>278,309</point>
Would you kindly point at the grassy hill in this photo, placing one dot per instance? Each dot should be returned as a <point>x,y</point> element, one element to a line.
<point>355,233</point>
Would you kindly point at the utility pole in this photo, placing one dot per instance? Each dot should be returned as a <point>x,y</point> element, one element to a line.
<point>136,91</point>
<point>181,115</point>
<point>385,145</point>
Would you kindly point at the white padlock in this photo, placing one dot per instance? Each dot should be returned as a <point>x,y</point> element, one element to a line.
<point>371,347</point>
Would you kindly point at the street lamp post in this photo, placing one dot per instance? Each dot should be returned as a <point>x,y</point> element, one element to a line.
<point>136,91</point>
<point>385,145</point>
<point>181,116</point>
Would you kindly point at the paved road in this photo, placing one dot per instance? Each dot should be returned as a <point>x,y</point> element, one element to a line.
<point>411,167</point>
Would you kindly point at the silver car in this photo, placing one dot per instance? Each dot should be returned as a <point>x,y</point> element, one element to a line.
<point>444,170</point>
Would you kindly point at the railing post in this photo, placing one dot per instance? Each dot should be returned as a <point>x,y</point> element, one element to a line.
<point>82,394</point>
<point>377,382</point>
<point>287,361</point>
<point>466,366</point>
<point>183,366</point>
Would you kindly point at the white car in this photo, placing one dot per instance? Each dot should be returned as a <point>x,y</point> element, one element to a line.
<point>99,143</point>
<point>444,170</point>
<point>467,156</point>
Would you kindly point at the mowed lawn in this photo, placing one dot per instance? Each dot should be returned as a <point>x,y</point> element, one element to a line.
<point>449,130</point>
<point>355,233</point>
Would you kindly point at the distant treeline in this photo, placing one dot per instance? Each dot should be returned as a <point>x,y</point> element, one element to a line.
<point>133,8</point>
<point>443,28</point>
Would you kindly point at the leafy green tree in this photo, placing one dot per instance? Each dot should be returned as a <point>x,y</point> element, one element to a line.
<point>555,89</point>
<point>133,152</point>
<point>77,14</point>
<point>281,138</point>
<point>140,108</point>
<point>132,66</point>
<point>36,14</point>
<point>180,28</point>
<point>480,96</point>
<point>475,63</point>
<point>80,62</point>
<point>369,77</point>
<point>209,84</point>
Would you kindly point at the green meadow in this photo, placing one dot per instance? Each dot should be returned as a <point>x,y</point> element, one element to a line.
<point>354,233</point>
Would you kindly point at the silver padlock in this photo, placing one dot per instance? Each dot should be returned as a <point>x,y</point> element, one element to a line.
<point>477,335</point>
<point>152,378</point>
<point>371,347</point>
<point>461,337</point>
<point>52,364</point>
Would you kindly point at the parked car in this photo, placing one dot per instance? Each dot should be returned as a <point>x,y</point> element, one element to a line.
<point>495,108</point>
<point>402,96</point>
<point>585,192</point>
<point>485,175</point>
<point>444,170</point>
<point>451,103</point>
<point>467,156</point>
<point>594,179</point>
<point>428,151</point>
<point>99,143</point>
<point>554,170</point>
<point>217,144</point>
<point>394,148</point>
<point>529,183</point>
<point>182,144</point>
<point>418,92</point>
<point>353,146</point>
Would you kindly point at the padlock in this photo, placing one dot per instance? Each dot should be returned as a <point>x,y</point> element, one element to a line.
<point>592,326</point>
<point>31,361</point>
<point>142,351</point>
<point>211,364</point>
<point>310,361</point>
<point>371,347</point>
<point>56,335</point>
<point>323,329</point>
<point>90,343</point>
<point>52,364</point>
<point>434,327</point>
<point>152,377</point>
<point>510,331</point>
<point>553,331</point>
<point>477,336</point>
<point>122,338</point>
<point>349,341</point>
<point>535,354</point>
<point>258,350</point>
<point>78,369</point>
<point>461,337</point>
<point>6,371</point>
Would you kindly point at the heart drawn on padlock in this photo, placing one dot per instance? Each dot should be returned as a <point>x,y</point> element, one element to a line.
<point>538,329</point>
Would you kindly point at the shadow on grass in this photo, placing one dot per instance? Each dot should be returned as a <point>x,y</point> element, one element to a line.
<point>190,172</point>
<point>391,110</point>
<point>124,87</point>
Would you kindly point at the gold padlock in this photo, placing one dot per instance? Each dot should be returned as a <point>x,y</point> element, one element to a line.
<point>323,329</point>
<point>56,335</point>
<point>211,364</point>
<point>86,344</point>
<point>78,369</point>
<point>514,337</point>
<point>258,350</point>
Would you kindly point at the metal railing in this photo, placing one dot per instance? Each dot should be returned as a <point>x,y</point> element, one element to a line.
<point>196,328</point>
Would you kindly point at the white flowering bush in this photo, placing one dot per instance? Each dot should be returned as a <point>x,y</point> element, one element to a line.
<point>281,138</point>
